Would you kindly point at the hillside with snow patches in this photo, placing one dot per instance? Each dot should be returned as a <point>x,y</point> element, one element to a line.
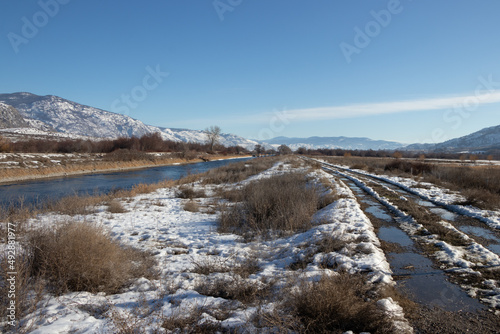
<point>485,139</point>
<point>54,114</point>
<point>10,117</point>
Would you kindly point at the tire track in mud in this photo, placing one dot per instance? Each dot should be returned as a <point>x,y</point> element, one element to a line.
<point>463,256</point>
<point>442,303</point>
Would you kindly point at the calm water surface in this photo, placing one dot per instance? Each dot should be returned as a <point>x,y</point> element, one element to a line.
<point>38,192</point>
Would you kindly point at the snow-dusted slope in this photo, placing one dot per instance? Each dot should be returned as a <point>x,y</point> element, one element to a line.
<point>483,139</point>
<point>70,117</point>
<point>52,113</point>
<point>10,117</point>
<point>350,143</point>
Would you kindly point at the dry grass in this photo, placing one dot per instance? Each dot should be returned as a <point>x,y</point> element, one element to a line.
<point>79,256</point>
<point>334,304</point>
<point>234,287</point>
<point>277,205</point>
<point>114,206</point>
<point>190,193</point>
<point>237,172</point>
<point>479,184</point>
<point>28,290</point>
<point>244,268</point>
<point>191,206</point>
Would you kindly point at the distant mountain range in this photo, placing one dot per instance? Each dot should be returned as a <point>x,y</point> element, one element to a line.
<point>482,140</point>
<point>54,114</point>
<point>348,143</point>
<point>29,114</point>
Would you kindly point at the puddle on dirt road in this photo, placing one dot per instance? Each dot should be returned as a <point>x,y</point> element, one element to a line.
<point>395,235</point>
<point>445,214</point>
<point>428,285</point>
<point>494,245</point>
<point>417,277</point>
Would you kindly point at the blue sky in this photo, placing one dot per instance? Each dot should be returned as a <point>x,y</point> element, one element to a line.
<point>410,71</point>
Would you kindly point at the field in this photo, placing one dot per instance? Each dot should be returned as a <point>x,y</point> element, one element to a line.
<point>272,245</point>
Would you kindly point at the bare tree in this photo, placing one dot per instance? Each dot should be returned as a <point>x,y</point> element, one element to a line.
<point>259,149</point>
<point>213,133</point>
<point>284,150</point>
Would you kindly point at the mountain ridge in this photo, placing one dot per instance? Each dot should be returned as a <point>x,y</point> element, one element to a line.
<point>53,113</point>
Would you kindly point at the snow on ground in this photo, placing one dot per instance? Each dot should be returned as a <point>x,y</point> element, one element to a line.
<point>181,240</point>
<point>437,195</point>
<point>456,258</point>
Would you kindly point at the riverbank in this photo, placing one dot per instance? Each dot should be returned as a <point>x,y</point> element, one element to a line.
<point>29,172</point>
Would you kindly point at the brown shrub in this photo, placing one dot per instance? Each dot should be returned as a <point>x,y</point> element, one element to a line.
<point>279,204</point>
<point>192,206</point>
<point>115,206</point>
<point>234,288</point>
<point>237,172</point>
<point>334,304</point>
<point>190,192</point>
<point>79,256</point>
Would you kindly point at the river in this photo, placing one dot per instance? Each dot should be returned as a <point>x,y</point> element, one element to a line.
<point>41,191</point>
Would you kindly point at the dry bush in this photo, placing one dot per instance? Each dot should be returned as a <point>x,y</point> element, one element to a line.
<point>188,321</point>
<point>128,155</point>
<point>191,206</point>
<point>234,288</point>
<point>115,206</point>
<point>237,172</point>
<point>334,304</point>
<point>29,291</point>
<point>279,204</point>
<point>5,145</point>
<point>75,205</point>
<point>411,167</point>
<point>190,193</point>
<point>245,268</point>
<point>79,256</point>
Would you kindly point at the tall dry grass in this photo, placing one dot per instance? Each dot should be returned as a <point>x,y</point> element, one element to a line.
<point>334,304</point>
<point>80,256</point>
<point>273,206</point>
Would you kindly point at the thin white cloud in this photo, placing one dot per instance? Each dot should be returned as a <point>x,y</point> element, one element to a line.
<point>370,109</point>
<point>465,102</point>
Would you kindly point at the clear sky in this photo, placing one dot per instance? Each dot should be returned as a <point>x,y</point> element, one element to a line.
<point>410,71</point>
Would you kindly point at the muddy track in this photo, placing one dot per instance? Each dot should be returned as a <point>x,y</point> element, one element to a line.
<point>463,247</point>
<point>441,286</point>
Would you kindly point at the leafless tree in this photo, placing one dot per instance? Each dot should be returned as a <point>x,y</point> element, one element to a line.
<point>213,134</point>
<point>284,150</point>
<point>259,149</point>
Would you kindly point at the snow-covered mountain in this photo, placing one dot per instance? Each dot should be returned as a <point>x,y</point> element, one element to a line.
<point>481,140</point>
<point>348,143</point>
<point>10,117</point>
<point>52,113</point>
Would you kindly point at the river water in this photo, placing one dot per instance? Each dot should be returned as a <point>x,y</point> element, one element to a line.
<point>41,191</point>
